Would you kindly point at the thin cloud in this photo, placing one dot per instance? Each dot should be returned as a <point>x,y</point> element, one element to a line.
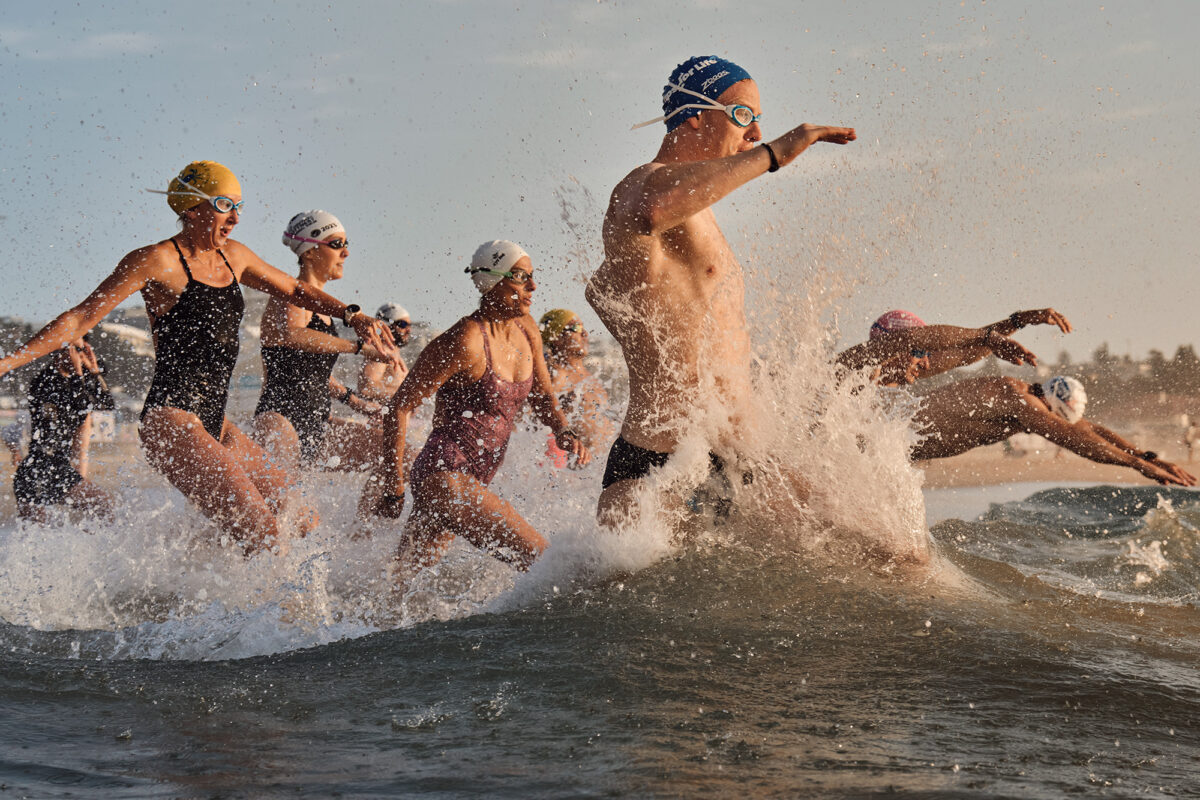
<point>14,36</point>
<point>102,45</point>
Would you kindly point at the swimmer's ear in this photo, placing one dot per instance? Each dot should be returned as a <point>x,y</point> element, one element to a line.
<point>693,122</point>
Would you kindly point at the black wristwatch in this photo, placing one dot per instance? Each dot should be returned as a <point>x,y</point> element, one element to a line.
<point>771,153</point>
<point>1149,455</point>
<point>350,312</point>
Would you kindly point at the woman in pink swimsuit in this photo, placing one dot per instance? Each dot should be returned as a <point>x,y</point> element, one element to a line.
<point>482,370</point>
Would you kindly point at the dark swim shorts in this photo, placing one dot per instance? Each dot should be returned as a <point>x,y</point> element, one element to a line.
<point>628,462</point>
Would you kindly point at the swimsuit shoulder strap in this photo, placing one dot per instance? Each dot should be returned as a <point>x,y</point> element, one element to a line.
<point>487,348</point>
<point>183,260</point>
<point>227,265</point>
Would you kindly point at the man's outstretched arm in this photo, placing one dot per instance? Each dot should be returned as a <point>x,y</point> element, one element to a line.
<point>668,194</point>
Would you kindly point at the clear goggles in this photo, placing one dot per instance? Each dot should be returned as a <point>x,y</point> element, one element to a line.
<point>221,203</point>
<point>742,116</point>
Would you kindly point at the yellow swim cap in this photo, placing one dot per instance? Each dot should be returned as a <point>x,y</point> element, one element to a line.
<point>553,322</point>
<point>209,177</point>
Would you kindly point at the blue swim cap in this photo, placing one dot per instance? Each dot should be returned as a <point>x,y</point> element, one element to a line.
<point>706,75</point>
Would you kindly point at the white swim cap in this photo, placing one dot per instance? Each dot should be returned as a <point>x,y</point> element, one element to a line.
<point>496,256</point>
<point>315,224</point>
<point>1066,397</point>
<point>392,312</point>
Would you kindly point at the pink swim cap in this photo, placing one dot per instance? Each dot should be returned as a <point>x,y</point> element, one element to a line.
<point>895,321</point>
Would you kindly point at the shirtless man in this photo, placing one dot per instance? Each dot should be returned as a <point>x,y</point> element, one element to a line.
<point>980,411</point>
<point>670,289</point>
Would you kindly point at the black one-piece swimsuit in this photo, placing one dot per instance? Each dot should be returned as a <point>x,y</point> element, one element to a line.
<point>195,349</point>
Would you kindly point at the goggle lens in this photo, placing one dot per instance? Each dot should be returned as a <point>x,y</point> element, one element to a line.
<point>225,204</point>
<point>744,116</point>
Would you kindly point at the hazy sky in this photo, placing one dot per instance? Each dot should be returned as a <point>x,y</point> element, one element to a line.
<point>1010,155</point>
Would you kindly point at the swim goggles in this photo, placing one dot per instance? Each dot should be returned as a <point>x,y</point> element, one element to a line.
<point>516,275</point>
<point>402,324</point>
<point>333,244</point>
<point>572,327</point>
<point>221,203</point>
<point>742,116</point>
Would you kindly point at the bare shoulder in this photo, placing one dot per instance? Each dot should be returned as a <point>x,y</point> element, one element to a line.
<point>462,335</point>
<point>627,194</point>
<point>529,325</point>
<point>150,263</point>
<point>240,256</point>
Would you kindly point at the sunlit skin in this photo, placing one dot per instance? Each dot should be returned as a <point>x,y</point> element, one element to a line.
<point>378,381</point>
<point>449,504</point>
<point>670,289</point>
<point>982,411</point>
<point>898,368</point>
<point>232,479</point>
<point>581,396</point>
<point>350,444</point>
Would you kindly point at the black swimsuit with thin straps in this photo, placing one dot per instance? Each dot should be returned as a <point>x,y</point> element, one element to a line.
<point>195,349</point>
<point>297,386</point>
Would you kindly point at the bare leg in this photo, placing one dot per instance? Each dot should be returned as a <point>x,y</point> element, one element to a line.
<point>81,445</point>
<point>211,475</point>
<point>355,445</point>
<point>618,504</point>
<point>275,474</point>
<point>91,499</point>
<point>274,434</point>
<point>452,504</point>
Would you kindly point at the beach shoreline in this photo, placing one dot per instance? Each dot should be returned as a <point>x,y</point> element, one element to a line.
<point>991,466</point>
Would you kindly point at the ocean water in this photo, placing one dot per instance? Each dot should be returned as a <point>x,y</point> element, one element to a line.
<point>871,637</point>
<point>1048,649</point>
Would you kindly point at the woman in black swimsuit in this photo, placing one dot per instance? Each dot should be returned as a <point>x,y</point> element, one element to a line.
<point>190,283</point>
<point>299,349</point>
<point>61,397</point>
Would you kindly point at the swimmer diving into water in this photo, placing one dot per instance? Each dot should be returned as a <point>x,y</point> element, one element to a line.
<point>670,289</point>
<point>904,349</point>
<point>482,371</point>
<point>982,411</point>
<point>191,286</point>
